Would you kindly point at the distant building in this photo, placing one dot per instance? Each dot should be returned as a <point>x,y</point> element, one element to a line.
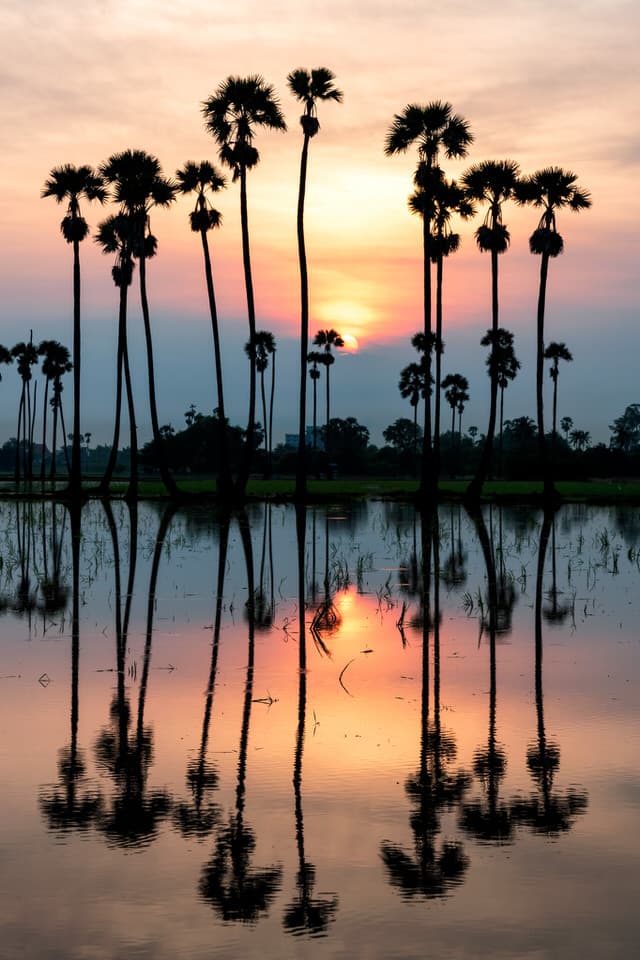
<point>291,439</point>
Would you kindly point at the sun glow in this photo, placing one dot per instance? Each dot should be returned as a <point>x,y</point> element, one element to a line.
<point>350,343</point>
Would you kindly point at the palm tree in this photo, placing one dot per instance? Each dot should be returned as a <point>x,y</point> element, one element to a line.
<point>455,387</point>
<point>433,127</point>
<point>26,355</point>
<point>551,189</point>
<point>259,350</point>
<point>580,439</point>
<point>502,364</point>
<point>55,361</point>
<point>203,179</point>
<point>556,352</point>
<point>308,87</point>
<point>565,425</point>
<point>413,386</point>
<point>115,235</point>
<point>328,339</point>
<point>232,114</point>
<point>138,186</point>
<point>62,365</point>
<point>314,358</point>
<point>6,356</point>
<point>491,182</point>
<point>70,184</point>
<point>463,399</point>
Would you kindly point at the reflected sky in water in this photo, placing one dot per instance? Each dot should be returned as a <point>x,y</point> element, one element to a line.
<point>350,732</point>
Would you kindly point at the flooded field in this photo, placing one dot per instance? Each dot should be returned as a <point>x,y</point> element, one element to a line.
<point>342,733</point>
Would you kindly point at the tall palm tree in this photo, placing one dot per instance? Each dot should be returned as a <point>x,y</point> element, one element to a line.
<point>492,182</point>
<point>115,235</point>
<point>26,355</point>
<point>328,339</point>
<point>232,114</point>
<point>72,184</point>
<point>556,352</point>
<point>580,439</point>
<point>203,179</point>
<point>550,189</point>
<point>433,127</point>
<point>138,186</point>
<point>259,350</point>
<point>62,365</point>
<point>55,361</point>
<point>308,87</point>
<point>455,385</point>
<point>565,425</point>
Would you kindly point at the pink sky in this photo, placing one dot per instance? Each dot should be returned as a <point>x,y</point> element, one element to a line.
<point>539,84</point>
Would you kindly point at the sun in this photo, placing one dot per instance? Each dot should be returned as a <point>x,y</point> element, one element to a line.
<point>350,343</point>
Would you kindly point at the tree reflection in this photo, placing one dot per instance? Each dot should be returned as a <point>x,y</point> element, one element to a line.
<point>548,812</point>
<point>199,817</point>
<point>228,881</point>
<point>434,869</point>
<point>264,603</point>
<point>326,619</point>
<point>454,569</point>
<point>74,803</point>
<point>557,610</point>
<point>489,818</point>
<point>127,754</point>
<point>305,914</point>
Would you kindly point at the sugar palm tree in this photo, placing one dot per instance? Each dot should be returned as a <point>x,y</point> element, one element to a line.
<point>455,386</point>
<point>550,189</point>
<point>63,365</point>
<point>556,352</point>
<point>69,184</point>
<point>232,114</point>
<point>502,364</point>
<point>328,340</point>
<point>203,179</point>
<point>139,186</point>
<point>492,182</point>
<point>580,439</point>
<point>308,87</point>
<point>433,127</point>
<point>565,425</point>
<point>115,235</point>
<point>314,358</point>
<point>412,387</point>
<point>26,355</point>
<point>55,361</point>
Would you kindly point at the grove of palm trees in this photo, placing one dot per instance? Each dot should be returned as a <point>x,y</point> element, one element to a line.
<point>131,184</point>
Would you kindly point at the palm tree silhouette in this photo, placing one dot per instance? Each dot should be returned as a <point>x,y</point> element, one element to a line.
<point>232,114</point>
<point>259,350</point>
<point>434,127</point>
<point>580,439</point>
<point>55,362</point>
<point>26,355</point>
<point>491,182</point>
<point>314,358</point>
<point>328,339</point>
<point>308,87</point>
<point>69,184</point>
<point>116,235</point>
<point>551,189</point>
<point>203,179</point>
<point>565,425</point>
<point>456,388</point>
<point>413,387</point>
<point>502,365</point>
<point>139,186</point>
<point>556,352</point>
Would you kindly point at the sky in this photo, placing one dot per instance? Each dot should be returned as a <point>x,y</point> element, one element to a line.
<point>539,83</point>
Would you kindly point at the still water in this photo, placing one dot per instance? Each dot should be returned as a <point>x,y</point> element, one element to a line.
<point>348,733</point>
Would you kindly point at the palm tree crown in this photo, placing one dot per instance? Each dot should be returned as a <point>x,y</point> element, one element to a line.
<point>71,183</point>
<point>201,178</point>
<point>309,86</point>
<point>492,182</point>
<point>232,113</point>
<point>556,352</point>
<point>433,126</point>
<point>551,189</point>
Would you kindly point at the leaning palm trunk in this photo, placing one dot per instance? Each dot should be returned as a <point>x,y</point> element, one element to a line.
<point>167,479</point>
<point>438,349</point>
<point>18,440</point>
<point>122,333</point>
<point>428,479</point>
<point>32,427</point>
<point>245,465</point>
<point>224,470</point>
<point>301,466</point>
<point>263,397</point>
<point>271,399</point>
<point>132,492</point>
<point>548,488</point>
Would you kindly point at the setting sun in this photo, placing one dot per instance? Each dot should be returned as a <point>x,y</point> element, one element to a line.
<point>350,343</point>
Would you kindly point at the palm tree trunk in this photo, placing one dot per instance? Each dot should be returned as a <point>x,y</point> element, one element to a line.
<point>474,490</point>
<point>271,399</point>
<point>438,346</point>
<point>122,327</point>
<point>327,439</point>
<point>245,465</point>
<point>548,488</point>
<point>224,470</point>
<point>54,435</point>
<point>132,491</point>
<point>428,480</point>
<point>167,479</point>
<point>501,429</point>
<point>555,411</point>
<point>44,429</point>
<point>264,416</point>
<point>65,445</point>
<point>301,465</point>
<point>32,427</point>
<point>315,415</point>
<point>75,475</point>
<point>16,472</point>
